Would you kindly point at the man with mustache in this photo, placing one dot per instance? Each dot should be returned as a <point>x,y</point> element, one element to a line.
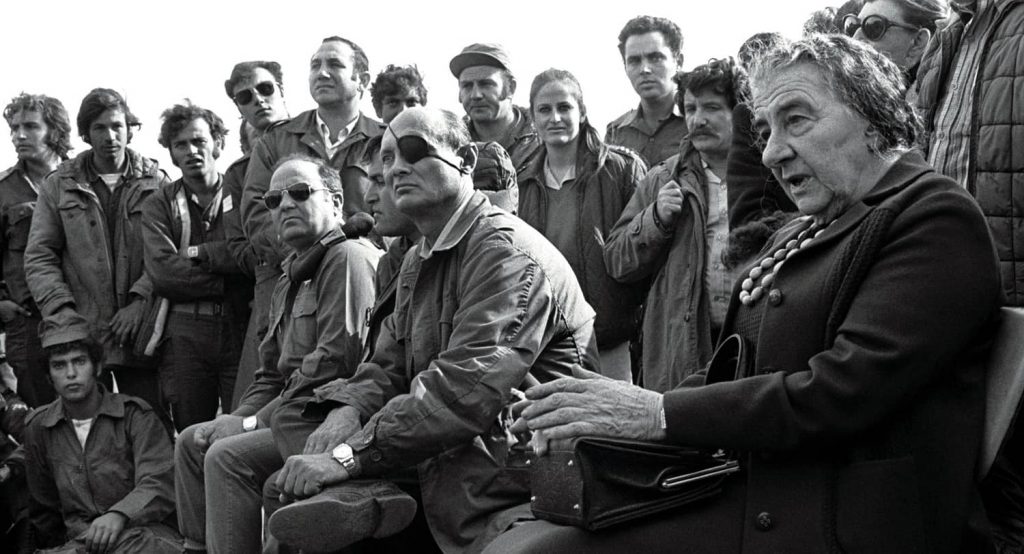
<point>486,86</point>
<point>674,229</point>
<point>84,251</point>
<point>651,49</point>
<point>207,290</point>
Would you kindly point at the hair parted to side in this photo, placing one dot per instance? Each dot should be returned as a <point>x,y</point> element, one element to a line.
<point>591,138</point>
<point>394,80</point>
<point>858,75</point>
<point>720,76</point>
<point>360,63</point>
<point>178,116</point>
<point>328,175</point>
<point>643,24</point>
<point>58,124</point>
<point>245,69</point>
<point>100,100</point>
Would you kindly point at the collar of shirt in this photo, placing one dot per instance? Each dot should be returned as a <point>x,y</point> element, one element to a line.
<point>552,181</point>
<point>638,113</point>
<point>712,178</point>
<point>446,238</point>
<point>325,131</point>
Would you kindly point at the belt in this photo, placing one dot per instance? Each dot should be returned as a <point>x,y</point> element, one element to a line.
<point>198,308</point>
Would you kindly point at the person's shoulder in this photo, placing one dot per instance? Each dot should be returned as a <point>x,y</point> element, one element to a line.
<point>8,173</point>
<point>42,416</point>
<point>625,156</point>
<point>622,120</point>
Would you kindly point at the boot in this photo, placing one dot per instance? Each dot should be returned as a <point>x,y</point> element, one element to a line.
<point>343,514</point>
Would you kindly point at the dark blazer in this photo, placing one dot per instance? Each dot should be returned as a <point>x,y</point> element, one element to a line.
<point>865,438</point>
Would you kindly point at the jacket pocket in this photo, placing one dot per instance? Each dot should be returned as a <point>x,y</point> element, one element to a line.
<point>19,219</point>
<point>878,507</point>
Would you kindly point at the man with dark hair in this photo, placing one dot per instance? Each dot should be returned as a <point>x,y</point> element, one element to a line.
<point>395,89</point>
<point>317,325</point>
<point>486,87</point>
<point>652,53</point>
<point>255,88</point>
<point>41,133</point>
<point>84,252</point>
<point>99,464</point>
<point>484,303</point>
<point>188,260</point>
<point>675,228</point>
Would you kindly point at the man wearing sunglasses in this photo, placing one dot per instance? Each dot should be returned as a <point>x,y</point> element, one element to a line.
<point>317,325</point>
<point>899,29</point>
<point>255,88</point>
<point>969,96</point>
<point>335,132</point>
<point>484,303</point>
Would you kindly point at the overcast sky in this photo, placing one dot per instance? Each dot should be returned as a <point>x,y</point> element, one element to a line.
<point>157,53</point>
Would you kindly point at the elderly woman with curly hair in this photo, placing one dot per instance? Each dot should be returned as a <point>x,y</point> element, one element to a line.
<point>859,419</point>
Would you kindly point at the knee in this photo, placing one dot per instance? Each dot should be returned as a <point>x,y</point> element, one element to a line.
<point>185,448</point>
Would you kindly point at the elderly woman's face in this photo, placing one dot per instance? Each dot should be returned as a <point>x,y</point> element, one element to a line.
<point>817,146</point>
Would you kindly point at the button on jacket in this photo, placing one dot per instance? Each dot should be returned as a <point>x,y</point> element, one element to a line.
<point>70,259</point>
<point>487,307</point>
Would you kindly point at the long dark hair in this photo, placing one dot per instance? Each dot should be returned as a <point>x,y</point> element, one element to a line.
<point>591,139</point>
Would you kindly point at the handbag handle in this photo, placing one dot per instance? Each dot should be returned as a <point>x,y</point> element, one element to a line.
<point>724,468</point>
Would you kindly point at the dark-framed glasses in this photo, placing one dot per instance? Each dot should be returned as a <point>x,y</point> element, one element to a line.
<point>245,97</point>
<point>414,148</point>
<point>300,192</point>
<point>874,26</point>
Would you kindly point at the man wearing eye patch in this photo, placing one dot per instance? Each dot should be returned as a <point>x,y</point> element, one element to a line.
<point>208,292</point>
<point>486,87</point>
<point>484,303</point>
<point>255,88</point>
<point>317,325</point>
<point>969,96</point>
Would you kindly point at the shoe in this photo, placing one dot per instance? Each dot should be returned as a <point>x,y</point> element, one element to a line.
<point>342,515</point>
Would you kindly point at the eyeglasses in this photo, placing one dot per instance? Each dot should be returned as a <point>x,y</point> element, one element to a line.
<point>414,148</point>
<point>245,97</point>
<point>300,192</point>
<point>874,26</point>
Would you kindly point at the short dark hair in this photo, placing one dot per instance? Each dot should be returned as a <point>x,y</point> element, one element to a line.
<point>244,69</point>
<point>98,101</point>
<point>178,116</point>
<point>371,149</point>
<point>91,346</point>
<point>360,62</point>
<point>395,79</point>
<point>58,124</point>
<point>330,176</point>
<point>644,24</point>
<point>722,77</point>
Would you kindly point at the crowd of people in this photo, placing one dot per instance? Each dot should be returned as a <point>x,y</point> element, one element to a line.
<point>361,335</point>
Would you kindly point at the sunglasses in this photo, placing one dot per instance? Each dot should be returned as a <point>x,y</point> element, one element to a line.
<point>245,97</point>
<point>414,148</point>
<point>300,192</point>
<point>874,26</point>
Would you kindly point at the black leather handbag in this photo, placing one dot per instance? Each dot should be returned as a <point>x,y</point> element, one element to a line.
<point>596,482</point>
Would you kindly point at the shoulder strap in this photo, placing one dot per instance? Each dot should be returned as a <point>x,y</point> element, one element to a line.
<point>186,220</point>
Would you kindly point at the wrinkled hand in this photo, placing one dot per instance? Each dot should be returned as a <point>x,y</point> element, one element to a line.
<point>340,424</point>
<point>126,322</point>
<point>102,534</point>
<point>222,426</point>
<point>307,474</point>
<point>10,309</point>
<point>569,408</point>
<point>669,203</point>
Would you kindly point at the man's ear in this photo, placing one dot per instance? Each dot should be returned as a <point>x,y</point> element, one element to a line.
<point>364,81</point>
<point>921,39</point>
<point>218,145</point>
<point>469,155</point>
<point>511,86</point>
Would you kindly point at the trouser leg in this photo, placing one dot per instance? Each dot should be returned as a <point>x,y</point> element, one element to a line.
<point>26,357</point>
<point>266,279</point>
<point>189,487</point>
<point>236,468</point>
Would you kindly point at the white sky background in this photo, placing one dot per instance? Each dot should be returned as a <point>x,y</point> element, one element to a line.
<point>157,53</point>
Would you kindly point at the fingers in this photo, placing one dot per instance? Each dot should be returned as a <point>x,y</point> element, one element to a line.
<point>556,417</point>
<point>202,436</point>
<point>565,384</point>
<point>315,443</point>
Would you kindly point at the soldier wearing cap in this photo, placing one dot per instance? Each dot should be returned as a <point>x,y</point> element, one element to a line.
<point>127,503</point>
<point>486,86</point>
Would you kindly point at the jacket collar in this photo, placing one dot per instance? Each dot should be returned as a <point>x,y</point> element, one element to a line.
<point>305,124</point>
<point>458,227</point>
<point>81,170</point>
<point>631,117</point>
<point>110,405</point>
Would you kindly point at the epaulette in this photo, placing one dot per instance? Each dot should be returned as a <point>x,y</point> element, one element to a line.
<point>7,172</point>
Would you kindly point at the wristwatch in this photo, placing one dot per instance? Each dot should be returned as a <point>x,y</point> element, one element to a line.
<point>249,423</point>
<point>192,252</point>
<point>343,455</point>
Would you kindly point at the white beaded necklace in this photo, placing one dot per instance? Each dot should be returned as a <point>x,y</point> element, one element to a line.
<point>766,270</point>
